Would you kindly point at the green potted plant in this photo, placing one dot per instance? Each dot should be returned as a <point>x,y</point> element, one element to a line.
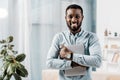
<point>11,61</point>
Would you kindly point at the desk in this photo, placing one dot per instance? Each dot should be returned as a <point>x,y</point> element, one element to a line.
<point>53,75</point>
<point>105,76</point>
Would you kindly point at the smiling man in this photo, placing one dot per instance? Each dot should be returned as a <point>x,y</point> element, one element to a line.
<point>62,58</point>
<point>74,18</point>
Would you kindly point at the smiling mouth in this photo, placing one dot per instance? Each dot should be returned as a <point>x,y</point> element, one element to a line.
<point>74,24</point>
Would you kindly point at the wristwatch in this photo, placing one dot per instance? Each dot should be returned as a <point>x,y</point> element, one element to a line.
<point>68,56</point>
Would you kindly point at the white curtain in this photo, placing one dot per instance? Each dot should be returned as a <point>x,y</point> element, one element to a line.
<point>3,18</point>
<point>20,26</point>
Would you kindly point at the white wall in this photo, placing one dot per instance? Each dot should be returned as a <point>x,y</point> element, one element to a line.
<point>4,19</point>
<point>108,16</point>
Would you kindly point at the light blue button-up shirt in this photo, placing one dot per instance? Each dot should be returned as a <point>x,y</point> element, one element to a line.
<point>91,57</point>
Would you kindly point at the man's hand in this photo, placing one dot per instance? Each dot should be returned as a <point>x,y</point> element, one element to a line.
<point>64,52</point>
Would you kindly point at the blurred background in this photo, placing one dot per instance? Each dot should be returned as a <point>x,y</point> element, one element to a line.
<point>33,23</point>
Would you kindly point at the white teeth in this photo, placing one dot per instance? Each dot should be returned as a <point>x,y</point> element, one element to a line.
<point>74,24</point>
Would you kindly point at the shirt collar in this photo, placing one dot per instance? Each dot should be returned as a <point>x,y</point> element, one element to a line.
<point>77,34</point>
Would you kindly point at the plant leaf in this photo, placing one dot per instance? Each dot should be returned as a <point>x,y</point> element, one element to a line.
<point>7,77</point>
<point>1,78</point>
<point>5,65</point>
<point>9,58</point>
<point>10,46</point>
<point>4,73</point>
<point>11,69</point>
<point>4,46</point>
<point>4,68</point>
<point>21,71</point>
<point>20,65</point>
<point>3,52</point>
<point>10,39</point>
<point>14,52</point>
<point>20,57</point>
<point>16,76</point>
<point>3,41</point>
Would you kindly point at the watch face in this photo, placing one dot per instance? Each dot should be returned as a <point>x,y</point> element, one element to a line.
<point>68,55</point>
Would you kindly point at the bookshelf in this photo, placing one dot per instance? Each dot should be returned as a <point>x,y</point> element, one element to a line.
<point>111,49</point>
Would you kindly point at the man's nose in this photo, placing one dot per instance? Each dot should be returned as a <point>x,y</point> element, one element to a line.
<point>74,19</point>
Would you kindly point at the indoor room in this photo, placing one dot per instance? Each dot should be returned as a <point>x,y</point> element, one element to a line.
<point>27,29</point>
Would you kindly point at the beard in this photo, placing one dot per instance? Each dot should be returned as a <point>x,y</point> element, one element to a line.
<point>74,27</point>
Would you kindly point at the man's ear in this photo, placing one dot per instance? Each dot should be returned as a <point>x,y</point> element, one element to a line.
<point>82,17</point>
<point>65,17</point>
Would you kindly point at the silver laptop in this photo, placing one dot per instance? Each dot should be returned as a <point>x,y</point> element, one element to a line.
<point>80,70</point>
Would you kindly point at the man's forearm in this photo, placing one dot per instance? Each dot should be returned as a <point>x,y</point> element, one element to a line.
<point>59,64</point>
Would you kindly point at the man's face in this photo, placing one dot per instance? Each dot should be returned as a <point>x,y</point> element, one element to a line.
<point>74,19</point>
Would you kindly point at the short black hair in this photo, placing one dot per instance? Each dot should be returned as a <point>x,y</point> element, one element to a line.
<point>74,6</point>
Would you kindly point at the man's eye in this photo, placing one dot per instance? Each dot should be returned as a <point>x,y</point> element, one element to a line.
<point>77,16</point>
<point>70,16</point>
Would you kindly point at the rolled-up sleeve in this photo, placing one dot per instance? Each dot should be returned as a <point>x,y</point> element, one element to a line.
<point>92,60</point>
<point>53,60</point>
